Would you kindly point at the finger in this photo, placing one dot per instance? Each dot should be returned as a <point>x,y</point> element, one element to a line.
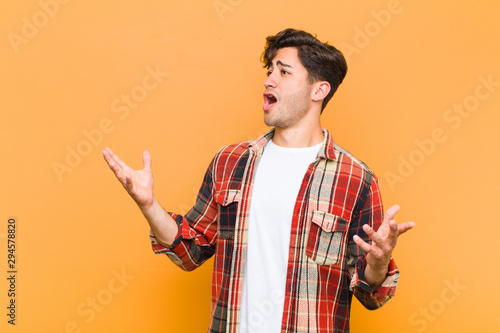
<point>129,185</point>
<point>390,213</point>
<point>109,160</point>
<point>115,158</point>
<point>117,170</point>
<point>362,244</point>
<point>404,227</point>
<point>375,237</point>
<point>146,158</point>
<point>106,155</point>
<point>393,231</point>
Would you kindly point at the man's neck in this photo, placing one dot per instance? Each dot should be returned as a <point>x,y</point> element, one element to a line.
<point>298,137</point>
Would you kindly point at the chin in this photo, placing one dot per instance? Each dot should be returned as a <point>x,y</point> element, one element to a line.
<point>269,121</point>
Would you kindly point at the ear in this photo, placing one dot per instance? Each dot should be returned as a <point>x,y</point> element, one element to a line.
<point>320,90</point>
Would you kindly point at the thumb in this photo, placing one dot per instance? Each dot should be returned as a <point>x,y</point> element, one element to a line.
<point>146,158</point>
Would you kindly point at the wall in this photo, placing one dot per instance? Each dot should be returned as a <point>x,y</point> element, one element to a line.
<point>182,78</point>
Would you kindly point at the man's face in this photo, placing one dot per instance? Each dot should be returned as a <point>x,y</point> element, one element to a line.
<point>288,92</point>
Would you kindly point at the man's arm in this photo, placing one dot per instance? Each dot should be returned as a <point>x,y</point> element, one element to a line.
<point>374,284</point>
<point>139,184</point>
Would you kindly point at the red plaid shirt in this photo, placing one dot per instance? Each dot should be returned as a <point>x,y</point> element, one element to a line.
<point>325,267</point>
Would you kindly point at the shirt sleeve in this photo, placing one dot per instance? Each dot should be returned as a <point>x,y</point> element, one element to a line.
<point>197,233</point>
<point>371,213</point>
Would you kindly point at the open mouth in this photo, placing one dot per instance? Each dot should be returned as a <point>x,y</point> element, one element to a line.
<point>269,101</point>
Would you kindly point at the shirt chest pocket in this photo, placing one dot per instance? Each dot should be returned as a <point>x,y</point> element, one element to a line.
<point>228,201</point>
<point>325,244</point>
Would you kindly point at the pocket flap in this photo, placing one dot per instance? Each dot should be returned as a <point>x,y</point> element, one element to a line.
<point>329,222</point>
<point>227,197</point>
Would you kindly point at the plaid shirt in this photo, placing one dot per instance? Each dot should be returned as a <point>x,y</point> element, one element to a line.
<point>325,267</point>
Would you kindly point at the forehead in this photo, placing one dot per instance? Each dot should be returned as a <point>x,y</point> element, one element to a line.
<point>288,56</point>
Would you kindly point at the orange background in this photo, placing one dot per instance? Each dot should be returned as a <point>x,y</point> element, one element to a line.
<point>64,69</point>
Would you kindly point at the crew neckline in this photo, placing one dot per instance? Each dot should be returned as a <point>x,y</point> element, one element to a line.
<point>272,144</point>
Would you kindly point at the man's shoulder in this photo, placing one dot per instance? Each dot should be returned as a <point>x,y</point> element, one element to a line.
<point>234,150</point>
<point>230,162</point>
<point>346,158</point>
<point>229,155</point>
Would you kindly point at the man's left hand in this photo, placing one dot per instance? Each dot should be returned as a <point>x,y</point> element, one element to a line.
<point>384,241</point>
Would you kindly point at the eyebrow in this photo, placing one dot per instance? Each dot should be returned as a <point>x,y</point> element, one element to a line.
<point>280,63</point>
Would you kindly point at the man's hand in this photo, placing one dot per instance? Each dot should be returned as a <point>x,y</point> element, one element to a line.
<point>138,183</point>
<point>383,243</point>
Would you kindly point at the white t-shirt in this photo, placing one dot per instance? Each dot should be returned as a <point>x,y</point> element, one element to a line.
<point>277,182</point>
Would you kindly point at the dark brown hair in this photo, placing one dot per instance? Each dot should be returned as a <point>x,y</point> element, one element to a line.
<point>322,61</point>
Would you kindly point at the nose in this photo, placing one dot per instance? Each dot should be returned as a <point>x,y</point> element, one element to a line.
<point>270,82</point>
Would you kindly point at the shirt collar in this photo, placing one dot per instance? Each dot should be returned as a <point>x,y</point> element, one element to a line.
<point>327,149</point>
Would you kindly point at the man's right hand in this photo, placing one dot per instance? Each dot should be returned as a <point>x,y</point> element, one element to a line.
<point>138,183</point>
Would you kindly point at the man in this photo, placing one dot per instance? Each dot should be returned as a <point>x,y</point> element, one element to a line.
<point>290,216</point>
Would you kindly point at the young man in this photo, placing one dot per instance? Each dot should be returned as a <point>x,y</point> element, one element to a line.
<point>290,216</point>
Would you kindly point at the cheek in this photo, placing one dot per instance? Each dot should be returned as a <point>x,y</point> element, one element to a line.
<point>293,90</point>
<point>301,93</point>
